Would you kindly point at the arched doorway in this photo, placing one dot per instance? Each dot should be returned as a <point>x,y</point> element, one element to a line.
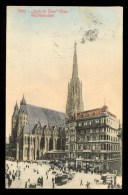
<point>63,144</point>
<point>42,142</point>
<point>32,154</point>
<point>51,144</point>
<point>46,145</point>
<point>58,144</point>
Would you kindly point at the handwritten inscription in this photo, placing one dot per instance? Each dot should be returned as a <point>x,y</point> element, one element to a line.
<point>43,12</point>
<point>22,10</point>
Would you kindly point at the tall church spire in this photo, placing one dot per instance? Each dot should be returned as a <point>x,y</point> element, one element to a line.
<point>75,67</point>
<point>74,98</point>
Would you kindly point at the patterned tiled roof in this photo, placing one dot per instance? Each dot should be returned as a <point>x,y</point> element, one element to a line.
<point>94,112</point>
<point>45,116</point>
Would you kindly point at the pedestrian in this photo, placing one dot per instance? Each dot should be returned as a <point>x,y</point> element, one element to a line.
<point>26,184</point>
<point>9,182</point>
<point>52,179</point>
<point>81,182</point>
<point>42,181</point>
<point>87,185</point>
<point>115,180</point>
<point>53,184</point>
<point>108,187</point>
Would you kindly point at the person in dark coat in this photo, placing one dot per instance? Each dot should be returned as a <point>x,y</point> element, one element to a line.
<point>42,181</point>
<point>81,182</point>
<point>26,184</point>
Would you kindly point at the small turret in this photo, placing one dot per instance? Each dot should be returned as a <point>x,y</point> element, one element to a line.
<point>23,108</point>
<point>16,111</point>
<point>23,101</point>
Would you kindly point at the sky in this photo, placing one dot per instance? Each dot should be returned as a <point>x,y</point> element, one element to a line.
<point>39,56</point>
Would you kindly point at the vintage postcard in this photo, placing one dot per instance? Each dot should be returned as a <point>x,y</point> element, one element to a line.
<point>64,97</point>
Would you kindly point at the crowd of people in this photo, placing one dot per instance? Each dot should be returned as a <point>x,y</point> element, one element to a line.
<point>48,175</point>
<point>11,175</point>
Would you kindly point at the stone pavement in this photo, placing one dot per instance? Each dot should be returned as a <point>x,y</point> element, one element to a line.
<point>28,173</point>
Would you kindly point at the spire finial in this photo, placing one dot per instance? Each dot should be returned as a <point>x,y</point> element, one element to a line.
<point>75,68</point>
<point>16,106</point>
<point>23,100</point>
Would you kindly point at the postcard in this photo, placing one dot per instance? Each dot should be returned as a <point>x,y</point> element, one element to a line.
<point>64,97</point>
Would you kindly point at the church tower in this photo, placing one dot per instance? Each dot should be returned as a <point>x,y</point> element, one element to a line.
<point>74,98</point>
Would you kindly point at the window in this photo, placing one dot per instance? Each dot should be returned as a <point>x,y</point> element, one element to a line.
<point>97,121</point>
<point>82,132</point>
<point>85,147</point>
<point>26,152</point>
<point>79,124</point>
<point>66,147</point>
<point>25,140</point>
<point>67,139</point>
<point>31,140</point>
<point>85,123</point>
<point>97,130</point>
<point>79,147</point>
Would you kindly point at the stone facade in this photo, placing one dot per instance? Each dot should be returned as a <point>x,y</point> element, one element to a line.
<point>36,131</point>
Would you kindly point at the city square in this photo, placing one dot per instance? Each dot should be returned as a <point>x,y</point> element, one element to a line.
<point>30,172</point>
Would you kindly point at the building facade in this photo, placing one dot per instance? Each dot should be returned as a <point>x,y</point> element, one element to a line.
<point>91,136</point>
<point>35,132</point>
<point>92,142</point>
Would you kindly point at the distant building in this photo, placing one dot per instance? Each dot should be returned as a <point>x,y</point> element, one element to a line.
<point>37,133</point>
<point>91,136</point>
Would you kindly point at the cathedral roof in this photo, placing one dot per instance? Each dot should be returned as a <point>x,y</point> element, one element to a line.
<point>45,116</point>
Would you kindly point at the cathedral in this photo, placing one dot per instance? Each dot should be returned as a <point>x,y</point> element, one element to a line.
<point>37,133</point>
<point>88,139</point>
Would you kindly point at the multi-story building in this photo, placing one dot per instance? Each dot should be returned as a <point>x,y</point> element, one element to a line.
<point>91,140</point>
<point>91,136</point>
<point>37,133</point>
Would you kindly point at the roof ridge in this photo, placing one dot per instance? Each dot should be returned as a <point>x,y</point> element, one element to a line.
<point>45,108</point>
